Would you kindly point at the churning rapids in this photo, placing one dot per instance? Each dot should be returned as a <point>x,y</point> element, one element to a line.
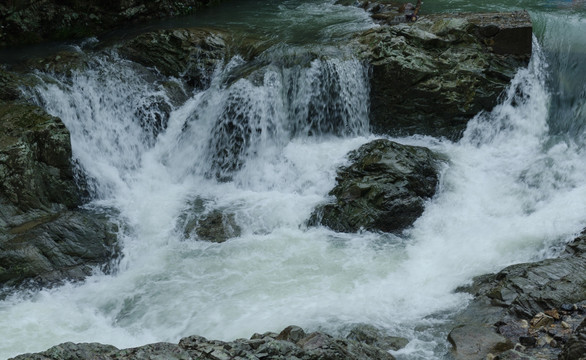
<point>513,191</point>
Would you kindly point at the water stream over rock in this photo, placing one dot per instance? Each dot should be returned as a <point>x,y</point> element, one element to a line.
<point>257,148</point>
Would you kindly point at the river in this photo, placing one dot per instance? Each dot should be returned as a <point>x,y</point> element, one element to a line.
<point>513,191</point>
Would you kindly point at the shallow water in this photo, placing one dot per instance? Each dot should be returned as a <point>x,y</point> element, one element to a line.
<point>511,192</point>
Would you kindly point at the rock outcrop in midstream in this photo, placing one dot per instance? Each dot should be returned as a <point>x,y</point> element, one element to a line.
<point>292,343</point>
<point>383,189</point>
<point>433,75</point>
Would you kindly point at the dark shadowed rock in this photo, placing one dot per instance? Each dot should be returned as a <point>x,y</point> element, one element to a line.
<point>190,53</point>
<point>217,227</point>
<point>384,188</point>
<point>44,238</point>
<point>49,249</point>
<point>430,77</point>
<point>35,155</point>
<point>575,349</point>
<point>313,346</point>
<point>33,21</point>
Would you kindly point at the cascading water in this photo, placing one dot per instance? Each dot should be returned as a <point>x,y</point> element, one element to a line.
<point>265,148</point>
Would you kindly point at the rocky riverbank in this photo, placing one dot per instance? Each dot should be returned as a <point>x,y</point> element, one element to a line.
<point>33,21</point>
<point>291,343</point>
<point>527,311</point>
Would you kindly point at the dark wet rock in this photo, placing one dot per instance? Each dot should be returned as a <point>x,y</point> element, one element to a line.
<point>384,188</point>
<point>215,226</point>
<point>313,346</point>
<point>65,245</point>
<point>432,76</point>
<point>44,237</point>
<point>187,53</point>
<point>531,288</point>
<point>33,21</point>
<point>370,335</point>
<point>8,86</point>
<point>534,304</point>
<point>476,342</point>
<point>291,333</point>
<point>35,159</point>
<point>575,349</point>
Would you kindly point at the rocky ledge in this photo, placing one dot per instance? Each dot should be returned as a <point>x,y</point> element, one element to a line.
<point>527,311</point>
<point>291,343</point>
<point>44,236</point>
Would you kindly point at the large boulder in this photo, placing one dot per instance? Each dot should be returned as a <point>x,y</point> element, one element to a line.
<point>383,189</point>
<point>431,76</point>
<point>33,21</point>
<point>44,237</point>
<point>291,343</point>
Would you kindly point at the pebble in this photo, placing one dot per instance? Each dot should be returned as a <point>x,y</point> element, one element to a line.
<point>541,320</point>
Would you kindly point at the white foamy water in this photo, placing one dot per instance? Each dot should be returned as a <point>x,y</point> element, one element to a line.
<point>509,193</point>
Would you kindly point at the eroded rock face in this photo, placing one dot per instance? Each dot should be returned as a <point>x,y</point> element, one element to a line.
<point>291,343</point>
<point>55,247</point>
<point>35,155</point>
<point>384,189</point>
<point>431,76</point>
<point>44,237</point>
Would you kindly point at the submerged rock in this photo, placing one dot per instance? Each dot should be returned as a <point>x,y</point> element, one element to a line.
<point>384,188</point>
<point>430,77</point>
<point>215,226</point>
<point>291,343</point>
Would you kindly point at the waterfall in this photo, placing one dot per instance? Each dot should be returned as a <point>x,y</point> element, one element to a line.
<point>263,147</point>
